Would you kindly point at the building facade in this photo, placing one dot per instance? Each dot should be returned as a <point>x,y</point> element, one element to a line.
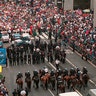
<point>72,4</point>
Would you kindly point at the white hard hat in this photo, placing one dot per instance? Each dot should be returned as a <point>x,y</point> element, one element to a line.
<point>46,69</point>
<point>23,92</point>
<point>57,61</point>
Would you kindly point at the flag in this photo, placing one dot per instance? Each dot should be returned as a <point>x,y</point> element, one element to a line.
<point>31,28</point>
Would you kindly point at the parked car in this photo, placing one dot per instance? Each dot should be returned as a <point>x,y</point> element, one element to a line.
<point>5,37</point>
<point>16,36</point>
<point>26,38</point>
<point>17,42</point>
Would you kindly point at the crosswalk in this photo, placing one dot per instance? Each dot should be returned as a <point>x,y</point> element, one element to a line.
<point>68,51</point>
<point>45,37</point>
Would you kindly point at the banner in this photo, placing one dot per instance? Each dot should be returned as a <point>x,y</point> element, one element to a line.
<point>3,57</point>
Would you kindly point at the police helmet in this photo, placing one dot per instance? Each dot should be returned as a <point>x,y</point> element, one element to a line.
<point>65,69</point>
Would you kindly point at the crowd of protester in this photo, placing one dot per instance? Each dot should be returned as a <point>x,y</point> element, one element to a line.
<point>73,26</point>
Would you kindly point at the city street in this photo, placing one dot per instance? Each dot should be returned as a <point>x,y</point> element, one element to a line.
<point>72,60</point>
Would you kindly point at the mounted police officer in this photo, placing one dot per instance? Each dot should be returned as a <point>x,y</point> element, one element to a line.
<point>35,78</point>
<point>27,74</point>
<point>19,75</point>
<point>28,80</point>
<point>52,79</point>
<point>65,72</point>
<point>72,72</point>
<point>84,70</point>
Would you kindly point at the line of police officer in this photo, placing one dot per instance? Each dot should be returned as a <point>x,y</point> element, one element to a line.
<point>35,53</point>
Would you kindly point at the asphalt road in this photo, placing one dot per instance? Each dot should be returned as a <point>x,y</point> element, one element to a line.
<point>72,60</point>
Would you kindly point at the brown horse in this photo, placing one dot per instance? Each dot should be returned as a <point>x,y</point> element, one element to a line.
<point>19,82</point>
<point>73,81</point>
<point>45,80</point>
<point>67,80</point>
<point>28,82</point>
<point>85,79</point>
<point>61,88</point>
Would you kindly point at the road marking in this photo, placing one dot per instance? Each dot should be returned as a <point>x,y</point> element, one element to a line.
<point>53,37</point>
<point>45,35</point>
<point>81,55</point>
<point>71,63</point>
<point>51,92</point>
<point>68,51</point>
<point>92,82</point>
<point>41,37</point>
<point>51,64</point>
<point>78,92</point>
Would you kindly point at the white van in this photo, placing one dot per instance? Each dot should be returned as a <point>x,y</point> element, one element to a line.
<point>92,92</point>
<point>5,36</point>
<point>70,94</point>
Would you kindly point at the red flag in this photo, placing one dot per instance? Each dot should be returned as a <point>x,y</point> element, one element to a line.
<point>59,21</point>
<point>20,29</point>
<point>31,28</point>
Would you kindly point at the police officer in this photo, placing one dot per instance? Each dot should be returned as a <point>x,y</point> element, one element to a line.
<point>34,56</point>
<point>52,79</point>
<point>48,56</point>
<point>14,59</point>
<point>78,75</point>
<point>84,70</point>
<point>31,47</point>
<point>17,58</point>
<point>65,72</point>
<point>15,93</point>
<point>29,58</point>
<point>72,71</point>
<point>25,58</point>
<point>42,56</point>
<point>10,59</point>
<point>51,57</point>
<point>35,78</point>
<point>27,74</point>
<point>19,75</point>
<point>77,69</point>
<point>57,62</point>
<point>38,55</point>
